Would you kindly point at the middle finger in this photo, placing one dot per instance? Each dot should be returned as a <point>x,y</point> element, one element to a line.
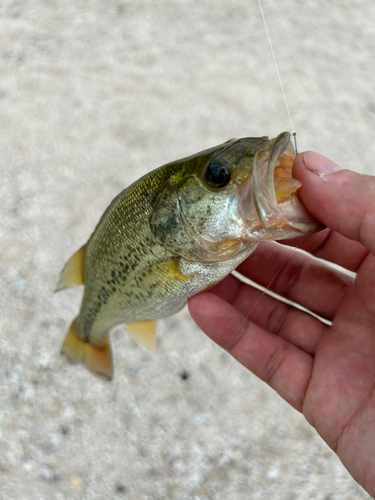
<point>285,321</point>
<point>297,277</point>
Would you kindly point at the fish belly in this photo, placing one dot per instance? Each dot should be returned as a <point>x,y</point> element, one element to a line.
<point>162,292</point>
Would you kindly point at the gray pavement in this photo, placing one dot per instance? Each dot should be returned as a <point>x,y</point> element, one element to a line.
<point>93,95</point>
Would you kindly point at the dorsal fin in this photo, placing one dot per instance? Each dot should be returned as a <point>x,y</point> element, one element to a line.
<point>144,332</point>
<point>73,272</point>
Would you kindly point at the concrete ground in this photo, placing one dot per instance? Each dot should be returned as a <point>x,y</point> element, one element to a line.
<point>93,95</point>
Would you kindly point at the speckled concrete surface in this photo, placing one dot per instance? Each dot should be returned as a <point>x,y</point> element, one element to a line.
<point>92,95</point>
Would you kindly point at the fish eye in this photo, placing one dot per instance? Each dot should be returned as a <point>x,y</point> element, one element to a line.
<point>217,174</point>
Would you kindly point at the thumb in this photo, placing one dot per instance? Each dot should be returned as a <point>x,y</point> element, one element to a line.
<point>341,199</point>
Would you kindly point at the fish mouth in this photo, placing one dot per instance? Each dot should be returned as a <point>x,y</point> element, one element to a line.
<point>276,211</point>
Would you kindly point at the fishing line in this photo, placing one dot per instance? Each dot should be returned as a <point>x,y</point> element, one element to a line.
<point>294,133</point>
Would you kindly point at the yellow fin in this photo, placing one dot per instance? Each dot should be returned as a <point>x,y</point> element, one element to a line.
<point>173,267</point>
<point>73,272</point>
<point>144,332</point>
<point>96,358</point>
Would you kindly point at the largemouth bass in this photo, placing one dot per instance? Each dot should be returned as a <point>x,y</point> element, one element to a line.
<point>176,232</point>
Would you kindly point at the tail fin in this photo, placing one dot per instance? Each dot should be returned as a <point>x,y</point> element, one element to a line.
<point>97,359</point>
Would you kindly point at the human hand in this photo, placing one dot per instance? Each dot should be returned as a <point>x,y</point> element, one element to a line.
<point>325,372</point>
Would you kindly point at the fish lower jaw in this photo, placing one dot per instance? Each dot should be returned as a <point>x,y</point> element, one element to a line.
<point>286,219</point>
<point>280,211</point>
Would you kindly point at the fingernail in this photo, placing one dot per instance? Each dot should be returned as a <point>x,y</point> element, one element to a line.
<point>319,165</point>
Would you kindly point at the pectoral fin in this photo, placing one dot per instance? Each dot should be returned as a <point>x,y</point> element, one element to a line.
<point>164,276</point>
<point>96,358</point>
<point>144,332</point>
<point>73,272</point>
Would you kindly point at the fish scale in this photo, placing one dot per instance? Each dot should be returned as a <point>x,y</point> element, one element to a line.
<point>176,232</point>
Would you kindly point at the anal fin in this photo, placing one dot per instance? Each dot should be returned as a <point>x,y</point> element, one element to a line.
<point>144,332</point>
<point>73,273</point>
<point>96,358</point>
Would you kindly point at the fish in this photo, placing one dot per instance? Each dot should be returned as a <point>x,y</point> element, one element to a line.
<point>175,232</point>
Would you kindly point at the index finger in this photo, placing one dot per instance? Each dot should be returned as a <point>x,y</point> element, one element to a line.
<point>333,247</point>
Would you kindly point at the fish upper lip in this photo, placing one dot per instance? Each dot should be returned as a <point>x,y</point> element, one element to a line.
<point>273,218</point>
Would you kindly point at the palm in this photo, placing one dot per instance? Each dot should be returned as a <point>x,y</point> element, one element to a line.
<point>325,371</point>
<point>340,398</point>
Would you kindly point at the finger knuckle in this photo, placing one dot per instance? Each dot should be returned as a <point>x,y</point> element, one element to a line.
<point>274,363</point>
<point>238,334</point>
<point>277,317</point>
<point>288,277</point>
